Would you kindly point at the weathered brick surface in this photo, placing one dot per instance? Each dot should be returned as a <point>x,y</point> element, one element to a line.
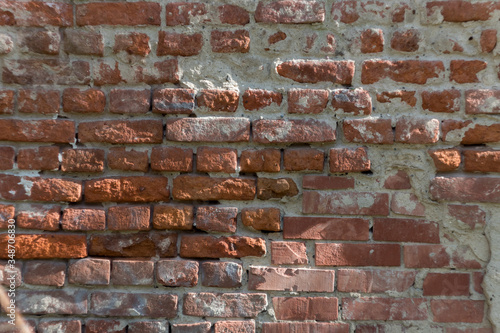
<point>250,166</point>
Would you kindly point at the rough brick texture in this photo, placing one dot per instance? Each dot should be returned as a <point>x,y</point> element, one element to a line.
<point>274,166</point>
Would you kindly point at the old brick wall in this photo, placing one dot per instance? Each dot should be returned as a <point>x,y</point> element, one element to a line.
<point>240,166</point>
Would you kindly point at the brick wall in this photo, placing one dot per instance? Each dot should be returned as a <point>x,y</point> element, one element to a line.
<point>239,166</point>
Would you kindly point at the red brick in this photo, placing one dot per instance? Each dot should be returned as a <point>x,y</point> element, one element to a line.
<point>10,274</point>
<point>305,327</point>
<point>256,99</point>
<point>46,71</point>
<point>7,155</point>
<point>192,187</point>
<point>104,325</point>
<point>459,11</point>
<point>36,14</point>
<point>407,204</point>
<point>290,12</point>
<point>56,131</point>
<point>116,13</point>
<point>372,41</point>
<point>234,305</point>
<point>216,219</point>
<point>58,302</point>
<point>48,326</point>
<point>235,326</point>
<point>292,131</point>
<point>39,217</point>
<point>276,37</point>
<point>307,100</point>
<point>482,160</point>
<point>177,44</point>
<point>45,273</point>
<point>302,159</point>
<point>133,245</point>
<point>40,41</point>
<point>128,101</point>
<point>177,273</point>
<point>466,189</point>
<point>457,311</point>
<point>464,132</point>
<point>159,326</point>
<point>168,101</point>
<point>209,129</point>
<point>482,101</point>
<point>346,254</point>
<point>406,41</point>
<point>291,279</point>
<point>119,158</point>
<point>368,131</point>
<point>53,246</point>
<point>82,160</point>
<point>151,305</point>
<point>221,274</point>
<point>83,219</point>
<point>267,219</point>
<point>446,284</point>
<point>83,42</point>
<point>132,272</point>
<point>356,101</point>
<point>439,256</point>
<point>471,215</point>
<point>398,181</point>
<point>345,203</point>
<point>488,40</point>
<point>405,71</point>
<point>441,101</point>
<point>203,327</point>
<point>39,189</point>
<point>349,160</point>
<point>133,43</point>
<point>288,253</point>
<point>417,131</point>
<point>218,100</point>
<point>91,100</point>
<point>181,13</point>
<point>166,71</point>
<point>7,212</point>
<point>171,159</point>
<point>327,182</point>
<point>105,73</point>
<point>407,97</point>
<point>314,71</point>
<point>231,14</point>
<point>269,188</point>
<point>39,101</point>
<point>127,189</point>
<point>7,99</point>
<point>237,41</point>
<point>214,159</point>
<point>326,228</point>
<point>374,281</point>
<point>306,308</point>
<point>201,246</point>
<point>89,271</point>
<point>121,131</point>
<point>128,218</point>
<point>265,160</point>
<point>463,71</point>
<point>378,308</point>
<point>173,217</point>
<point>405,230</point>
<point>446,159</point>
